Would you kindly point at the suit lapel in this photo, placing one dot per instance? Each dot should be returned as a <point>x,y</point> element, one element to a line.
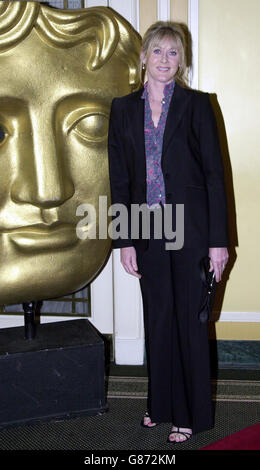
<point>138,118</point>
<point>177,106</point>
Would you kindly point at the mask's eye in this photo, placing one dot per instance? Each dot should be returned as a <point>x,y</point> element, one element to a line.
<point>2,134</point>
<point>93,127</point>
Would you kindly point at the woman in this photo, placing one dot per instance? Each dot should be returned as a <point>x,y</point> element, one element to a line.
<point>164,150</point>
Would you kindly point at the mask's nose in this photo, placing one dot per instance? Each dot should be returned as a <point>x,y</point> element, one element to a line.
<point>42,177</point>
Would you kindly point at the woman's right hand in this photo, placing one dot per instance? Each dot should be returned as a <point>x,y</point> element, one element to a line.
<point>128,260</point>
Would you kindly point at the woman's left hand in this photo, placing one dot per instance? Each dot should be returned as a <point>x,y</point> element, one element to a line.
<point>218,261</point>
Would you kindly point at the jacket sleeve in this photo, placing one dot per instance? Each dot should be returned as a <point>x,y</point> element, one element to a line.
<point>214,175</point>
<point>119,179</point>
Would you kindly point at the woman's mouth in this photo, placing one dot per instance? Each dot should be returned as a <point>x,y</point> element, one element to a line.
<point>163,69</point>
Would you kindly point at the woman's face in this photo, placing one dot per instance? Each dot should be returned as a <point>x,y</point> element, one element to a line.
<point>163,61</point>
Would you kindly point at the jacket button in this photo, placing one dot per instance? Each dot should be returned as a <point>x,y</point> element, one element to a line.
<point>168,196</point>
<point>167,176</point>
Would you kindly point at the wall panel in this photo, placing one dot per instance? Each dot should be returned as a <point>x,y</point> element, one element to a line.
<point>229,66</point>
<point>179,11</point>
<point>148,14</point>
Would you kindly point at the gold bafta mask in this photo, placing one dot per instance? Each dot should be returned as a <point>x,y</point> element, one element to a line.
<point>59,70</point>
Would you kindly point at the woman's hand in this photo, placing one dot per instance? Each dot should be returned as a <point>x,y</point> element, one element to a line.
<point>128,260</point>
<point>218,261</point>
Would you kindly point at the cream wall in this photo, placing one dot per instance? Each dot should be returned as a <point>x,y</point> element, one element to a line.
<point>229,66</point>
<point>149,10</point>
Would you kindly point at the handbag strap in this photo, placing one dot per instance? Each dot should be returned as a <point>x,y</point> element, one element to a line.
<point>206,276</point>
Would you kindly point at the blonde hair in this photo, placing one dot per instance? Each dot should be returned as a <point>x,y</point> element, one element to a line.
<point>154,36</point>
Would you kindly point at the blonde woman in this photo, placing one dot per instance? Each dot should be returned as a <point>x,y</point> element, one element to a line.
<point>164,151</point>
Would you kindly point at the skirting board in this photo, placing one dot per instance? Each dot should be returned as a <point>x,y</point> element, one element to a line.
<point>129,351</point>
<point>230,353</point>
<point>224,354</point>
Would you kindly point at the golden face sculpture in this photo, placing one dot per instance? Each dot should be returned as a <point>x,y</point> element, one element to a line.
<point>59,70</point>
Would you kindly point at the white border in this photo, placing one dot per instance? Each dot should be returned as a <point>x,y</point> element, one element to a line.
<point>128,316</point>
<point>193,24</point>
<point>129,9</point>
<point>163,10</point>
<point>95,3</point>
<point>239,317</point>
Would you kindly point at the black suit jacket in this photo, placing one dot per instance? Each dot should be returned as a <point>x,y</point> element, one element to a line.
<point>191,164</point>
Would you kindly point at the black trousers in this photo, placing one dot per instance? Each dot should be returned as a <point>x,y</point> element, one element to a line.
<point>177,346</point>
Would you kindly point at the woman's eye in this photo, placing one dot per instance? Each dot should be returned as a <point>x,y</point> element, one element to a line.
<point>157,51</point>
<point>173,53</point>
<point>92,127</point>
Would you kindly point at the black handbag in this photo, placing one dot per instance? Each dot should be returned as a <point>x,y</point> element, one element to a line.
<point>209,289</point>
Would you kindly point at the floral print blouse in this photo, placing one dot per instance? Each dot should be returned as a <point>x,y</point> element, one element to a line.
<point>153,146</point>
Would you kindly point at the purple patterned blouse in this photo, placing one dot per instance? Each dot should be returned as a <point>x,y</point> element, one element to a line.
<point>153,146</point>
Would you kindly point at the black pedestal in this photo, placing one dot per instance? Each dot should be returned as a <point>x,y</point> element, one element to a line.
<point>60,373</point>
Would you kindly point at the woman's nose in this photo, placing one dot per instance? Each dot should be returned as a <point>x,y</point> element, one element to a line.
<point>164,57</point>
<point>42,176</point>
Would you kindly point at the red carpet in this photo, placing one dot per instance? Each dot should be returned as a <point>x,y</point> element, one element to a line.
<point>246,439</point>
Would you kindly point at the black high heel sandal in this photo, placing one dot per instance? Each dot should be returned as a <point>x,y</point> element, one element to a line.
<point>146,425</point>
<point>186,434</point>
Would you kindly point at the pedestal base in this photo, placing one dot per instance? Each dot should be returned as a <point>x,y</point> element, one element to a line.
<point>60,373</point>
